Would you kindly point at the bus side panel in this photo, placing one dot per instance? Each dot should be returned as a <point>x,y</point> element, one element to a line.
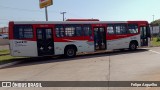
<point>82,46</point>
<point>122,43</point>
<point>23,48</point>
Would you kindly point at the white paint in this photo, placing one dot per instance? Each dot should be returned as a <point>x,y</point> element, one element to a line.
<point>154,51</point>
<point>23,48</point>
<point>82,46</point>
<point>122,43</point>
<point>29,48</point>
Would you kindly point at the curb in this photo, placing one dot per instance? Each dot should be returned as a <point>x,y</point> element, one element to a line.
<point>9,64</point>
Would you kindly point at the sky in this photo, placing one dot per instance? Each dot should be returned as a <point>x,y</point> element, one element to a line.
<point>104,10</point>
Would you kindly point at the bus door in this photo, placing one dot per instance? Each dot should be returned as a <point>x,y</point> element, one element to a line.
<point>144,35</point>
<point>99,38</point>
<point>45,43</point>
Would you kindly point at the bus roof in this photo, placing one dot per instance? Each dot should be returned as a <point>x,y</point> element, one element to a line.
<point>76,22</point>
<point>82,20</point>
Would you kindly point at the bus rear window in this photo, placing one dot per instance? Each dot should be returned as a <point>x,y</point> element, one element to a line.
<point>23,32</point>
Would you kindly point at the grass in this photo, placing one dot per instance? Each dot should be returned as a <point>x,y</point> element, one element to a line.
<point>8,57</point>
<point>4,52</point>
<point>155,43</point>
<point>5,57</point>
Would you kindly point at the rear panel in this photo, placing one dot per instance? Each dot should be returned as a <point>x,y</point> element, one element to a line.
<point>23,48</point>
<point>22,40</point>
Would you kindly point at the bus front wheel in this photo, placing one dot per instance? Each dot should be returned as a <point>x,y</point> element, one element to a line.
<point>70,52</point>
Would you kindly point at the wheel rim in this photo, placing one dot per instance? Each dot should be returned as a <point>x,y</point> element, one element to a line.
<point>70,52</point>
<point>133,46</point>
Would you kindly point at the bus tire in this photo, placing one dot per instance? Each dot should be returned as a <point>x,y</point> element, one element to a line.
<point>132,46</point>
<point>70,52</point>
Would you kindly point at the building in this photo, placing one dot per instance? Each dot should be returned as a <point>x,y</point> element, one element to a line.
<point>155,30</point>
<point>4,30</point>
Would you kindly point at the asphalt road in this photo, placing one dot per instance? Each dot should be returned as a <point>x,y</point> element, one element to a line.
<point>140,65</point>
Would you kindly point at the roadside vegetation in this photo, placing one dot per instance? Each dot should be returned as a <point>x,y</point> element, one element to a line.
<point>5,56</point>
<point>155,23</point>
<point>155,42</point>
<point>2,52</point>
<point>156,37</point>
<point>8,57</point>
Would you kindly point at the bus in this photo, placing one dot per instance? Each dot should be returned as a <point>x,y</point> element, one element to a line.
<point>45,38</point>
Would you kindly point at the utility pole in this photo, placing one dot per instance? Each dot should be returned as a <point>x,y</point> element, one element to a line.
<point>63,14</point>
<point>46,12</point>
<point>152,27</point>
<point>153,17</point>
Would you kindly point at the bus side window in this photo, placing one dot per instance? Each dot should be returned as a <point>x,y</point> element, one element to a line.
<point>23,32</point>
<point>87,30</point>
<point>132,28</point>
<point>70,31</point>
<point>110,29</point>
<point>120,29</point>
<point>78,30</point>
<point>59,31</point>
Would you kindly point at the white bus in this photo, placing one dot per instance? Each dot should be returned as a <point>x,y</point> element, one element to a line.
<point>38,38</point>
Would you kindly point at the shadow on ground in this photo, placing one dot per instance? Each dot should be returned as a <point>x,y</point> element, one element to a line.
<point>49,59</point>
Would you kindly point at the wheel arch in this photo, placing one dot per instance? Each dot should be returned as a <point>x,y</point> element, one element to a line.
<point>71,45</point>
<point>134,41</point>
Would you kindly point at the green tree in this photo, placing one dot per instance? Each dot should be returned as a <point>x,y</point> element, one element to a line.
<point>155,23</point>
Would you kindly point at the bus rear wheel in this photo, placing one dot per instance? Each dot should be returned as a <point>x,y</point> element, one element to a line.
<point>133,46</point>
<point>70,52</point>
